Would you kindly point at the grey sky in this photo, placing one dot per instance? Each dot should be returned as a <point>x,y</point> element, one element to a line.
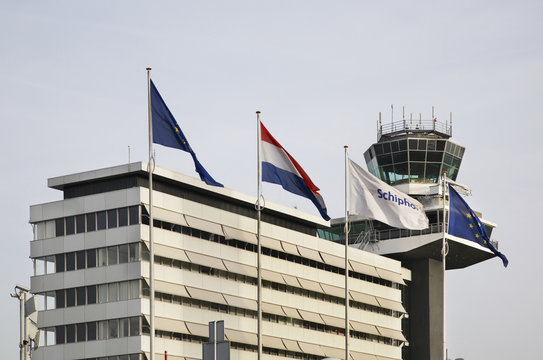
<point>73,98</point>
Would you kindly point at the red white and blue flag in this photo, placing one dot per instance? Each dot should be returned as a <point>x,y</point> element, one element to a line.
<point>279,167</point>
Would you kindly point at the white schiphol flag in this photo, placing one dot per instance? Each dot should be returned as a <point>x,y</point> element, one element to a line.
<point>374,199</point>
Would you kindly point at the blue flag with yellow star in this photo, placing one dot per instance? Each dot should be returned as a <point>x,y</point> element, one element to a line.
<point>167,132</point>
<point>464,223</point>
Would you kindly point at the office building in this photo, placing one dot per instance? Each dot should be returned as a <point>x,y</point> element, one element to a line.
<point>91,274</point>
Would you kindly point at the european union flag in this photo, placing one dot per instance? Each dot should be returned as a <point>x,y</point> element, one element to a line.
<point>167,132</point>
<point>464,223</point>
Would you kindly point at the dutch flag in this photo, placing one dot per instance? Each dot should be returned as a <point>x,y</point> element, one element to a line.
<point>279,167</point>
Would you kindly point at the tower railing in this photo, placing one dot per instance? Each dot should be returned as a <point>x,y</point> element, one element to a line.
<point>410,126</point>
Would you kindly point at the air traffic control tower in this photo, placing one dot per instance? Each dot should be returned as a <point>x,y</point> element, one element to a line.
<point>411,155</point>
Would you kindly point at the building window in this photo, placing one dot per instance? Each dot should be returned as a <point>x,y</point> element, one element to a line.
<point>91,294</point>
<point>81,296</point>
<point>91,330</point>
<point>70,225</point>
<point>70,297</point>
<point>80,258</point>
<point>59,335</point>
<point>70,261</point>
<point>123,216</point>
<point>101,220</point>
<point>59,227</point>
<point>91,258</point>
<point>91,222</point>
<point>59,298</point>
<point>134,214</point>
<point>70,333</point>
<point>80,224</point>
<point>112,219</point>
<point>112,255</point>
<point>123,254</point>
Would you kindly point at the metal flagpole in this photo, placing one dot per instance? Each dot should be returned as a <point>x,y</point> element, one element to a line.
<point>258,264</point>
<point>151,167</point>
<point>444,252</point>
<point>346,260</point>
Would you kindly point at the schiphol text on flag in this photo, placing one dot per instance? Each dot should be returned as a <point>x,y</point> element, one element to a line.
<point>374,199</point>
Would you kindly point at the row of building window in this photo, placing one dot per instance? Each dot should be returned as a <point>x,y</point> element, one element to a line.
<point>274,318</point>
<point>236,346</point>
<point>160,260</point>
<point>77,224</point>
<point>92,294</point>
<point>95,330</point>
<point>75,260</point>
<point>86,259</point>
<point>120,357</point>
<point>268,252</point>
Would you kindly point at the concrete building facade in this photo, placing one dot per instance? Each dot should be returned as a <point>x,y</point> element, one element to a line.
<point>91,274</point>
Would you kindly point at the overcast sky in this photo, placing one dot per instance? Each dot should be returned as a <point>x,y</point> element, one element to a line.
<point>74,98</point>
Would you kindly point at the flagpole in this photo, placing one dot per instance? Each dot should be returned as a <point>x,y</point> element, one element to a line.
<point>259,248</point>
<point>346,261</point>
<point>444,252</point>
<point>151,167</point>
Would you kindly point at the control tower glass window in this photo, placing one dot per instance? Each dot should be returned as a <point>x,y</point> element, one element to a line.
<point>413,159</point>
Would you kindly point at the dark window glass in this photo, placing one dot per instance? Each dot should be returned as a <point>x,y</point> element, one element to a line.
<point>91,258</point>
<point>386,148</point>
<point>185,230</point>
<point>134,326</point>
<point>461,152</point>
<point>91,294</point>
<point>440,145</point>
<point>456,162</point>
<point>395,146</point>
<point>432,145</point>
<point>59,299</point>
<point>81,330</point>
<point>196,233</point>
<point>70,225</point>
<point>91,222</point>
<point>412,144</point>
<point>112,218</point>
<point>59,334</point>
<point>80,257</point>
<point>177,228</point>
<point>123,216</point>
<point>70,333</point>
<point>400,157</point>
<point>70,297</point>
<point>417,171</point>
<point>91,330</point>
<point>432,172</point>
<point>59,227</point>
<point>434,156</point>
<point>422,144</point>
<point>112,255</point>
<point>123,254</point>
<point>101,220</point>
<point>417,156</point>
<point>378,149</point>
<point>134,252</point>
<point>403,144</point>
<point>81,297</point>
<point>70,261</point>
<point>447,159</point>
<point>59,263</point>
<point>384,159</point>
<point>124,327</point>
<point>134,214</point>
<point>80,223</point>
<point>113,329</point>
<point>401,172</point>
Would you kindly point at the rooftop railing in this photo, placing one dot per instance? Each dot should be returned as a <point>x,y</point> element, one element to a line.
<point>410,126</point>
